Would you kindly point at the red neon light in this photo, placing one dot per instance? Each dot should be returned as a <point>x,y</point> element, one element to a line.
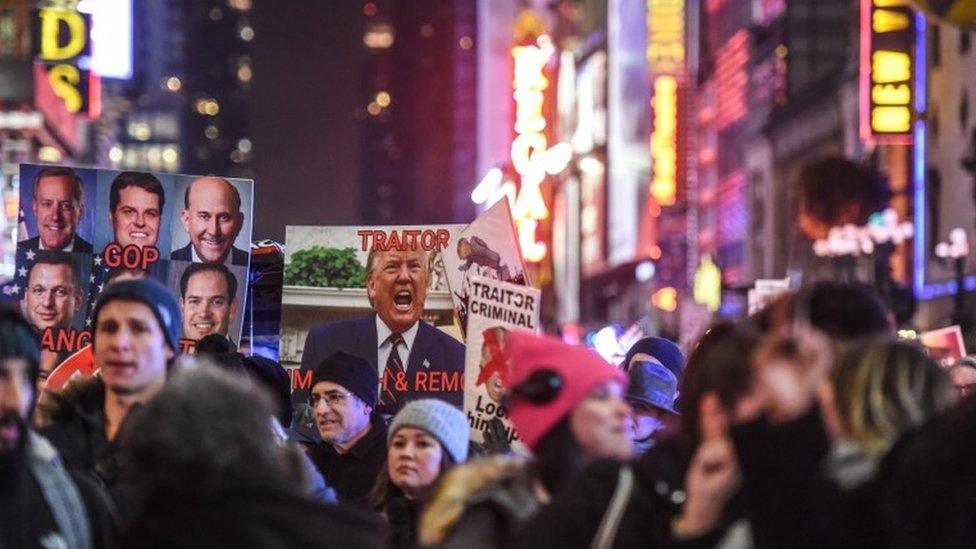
<point>94,96</point>
<point>732,80</point>
<point>712,6</point>
<point>866,70</point>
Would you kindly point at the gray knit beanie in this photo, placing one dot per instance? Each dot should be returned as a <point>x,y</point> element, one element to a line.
<point>445,422</point>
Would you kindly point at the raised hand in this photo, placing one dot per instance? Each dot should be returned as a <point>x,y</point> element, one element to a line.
<point>713,476</point>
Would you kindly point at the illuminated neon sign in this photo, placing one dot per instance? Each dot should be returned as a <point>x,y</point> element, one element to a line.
<point>530,145</point>
<point>664,140</point>
<point>732,80</point>
<point>63,44</point>
<point>707,288</point>
<point>665,36</point>
<point>887,71</point>
<point>665,61</point>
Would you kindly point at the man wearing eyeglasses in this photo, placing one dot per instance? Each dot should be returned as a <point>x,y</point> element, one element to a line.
<point>58,206</point>
<point>353,447</point>
<point>53,294</point>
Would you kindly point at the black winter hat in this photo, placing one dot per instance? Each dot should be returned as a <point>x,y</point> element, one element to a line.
<point>353,373</point>
<point>273,376</point>
<point>154,295</point>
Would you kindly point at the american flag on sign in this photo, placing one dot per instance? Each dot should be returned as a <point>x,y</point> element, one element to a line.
<point>25,259</point>
<point>96,283</point>
<point>102,275</point>
<point>86,272</point>
<point>22,226</point>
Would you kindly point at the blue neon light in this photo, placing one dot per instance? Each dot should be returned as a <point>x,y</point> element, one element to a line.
<point>918,261</point>
<point>922,290</point>
<point>921,63</point>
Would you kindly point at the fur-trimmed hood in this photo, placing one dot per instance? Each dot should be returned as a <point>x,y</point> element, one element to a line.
<point>506,482</point>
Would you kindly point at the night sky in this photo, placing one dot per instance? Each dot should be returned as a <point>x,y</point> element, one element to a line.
<point>306,90</point>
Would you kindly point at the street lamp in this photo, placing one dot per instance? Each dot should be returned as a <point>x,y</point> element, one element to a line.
<point>956,249</point>
<point>882,233</point>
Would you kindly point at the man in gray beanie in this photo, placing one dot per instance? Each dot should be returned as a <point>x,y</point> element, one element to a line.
<point>135,336</point>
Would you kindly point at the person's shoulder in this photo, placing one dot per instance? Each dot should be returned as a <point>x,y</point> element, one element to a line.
<point>32,243</point>
<point>501,482</point>
<point>81,245</point>
<point>430,331</point>
<point>181,254</point>
<point>349,335</point>
<point>343,525</point>
<point>320,453</point>
<point>238,256</point>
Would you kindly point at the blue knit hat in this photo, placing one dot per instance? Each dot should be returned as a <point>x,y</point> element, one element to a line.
<point>445,422</point>
<point>664,351</point>
<point>154,295</point>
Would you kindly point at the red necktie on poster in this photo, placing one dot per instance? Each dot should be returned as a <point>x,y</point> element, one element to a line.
<point>394,377</point>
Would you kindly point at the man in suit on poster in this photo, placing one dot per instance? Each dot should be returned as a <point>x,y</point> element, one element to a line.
<point>208,300</point>
<point>58,206</point>
<point>212,218</point>
<point>135,206</point>
<point>52,293</point>
<point>414,359</point>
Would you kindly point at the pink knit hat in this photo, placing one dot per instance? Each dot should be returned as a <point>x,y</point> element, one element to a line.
<point>580,371</point>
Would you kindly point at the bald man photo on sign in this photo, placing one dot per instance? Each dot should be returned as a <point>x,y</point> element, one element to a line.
<point>212,219</point>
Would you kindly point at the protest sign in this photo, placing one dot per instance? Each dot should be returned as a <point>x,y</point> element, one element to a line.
<point>81,363</point>
<point>348,288</point>
<point>82,228</point>
<point>944,345</point>
<point>765,292</point>
<point>495,308</point>
<point>489,248</point>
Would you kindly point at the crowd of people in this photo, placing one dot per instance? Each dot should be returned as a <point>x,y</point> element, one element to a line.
<point>808,424</point>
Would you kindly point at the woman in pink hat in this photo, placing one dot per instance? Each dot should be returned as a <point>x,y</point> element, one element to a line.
<point>568,408</point>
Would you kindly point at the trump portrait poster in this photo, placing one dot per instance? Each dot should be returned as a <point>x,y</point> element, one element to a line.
<point>376,292</point>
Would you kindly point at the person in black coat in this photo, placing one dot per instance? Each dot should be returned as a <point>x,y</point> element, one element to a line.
<point>353,447</point>
<point>211,475</point>
<point>426,439</point>
<point>684,490</point>
<point>41,502</point>
<point>88,423</point>
<point>861,468</point>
